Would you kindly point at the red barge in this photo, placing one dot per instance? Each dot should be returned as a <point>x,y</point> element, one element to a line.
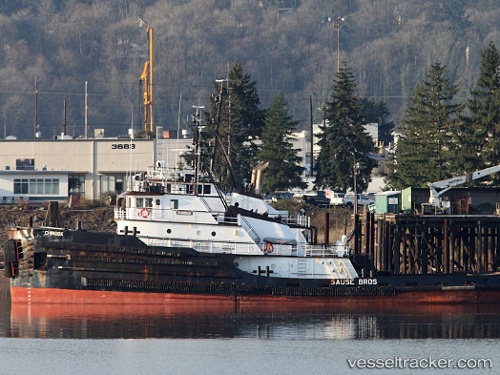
<point>175,245</point>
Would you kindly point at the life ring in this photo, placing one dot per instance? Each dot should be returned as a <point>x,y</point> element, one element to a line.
<point>144,213</point>
<point>269,248</point>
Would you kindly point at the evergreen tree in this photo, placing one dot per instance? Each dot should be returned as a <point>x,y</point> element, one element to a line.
<point>479,131</point>
<point>344,143</point>
<point>375,111</point>
<point>425,151</point>
<point>237,122</point>
<point>284,170</point>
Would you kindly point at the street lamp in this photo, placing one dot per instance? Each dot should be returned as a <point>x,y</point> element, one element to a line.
<point>336,24</point>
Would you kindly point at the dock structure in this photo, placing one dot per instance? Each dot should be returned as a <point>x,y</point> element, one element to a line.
<point>429,244</point>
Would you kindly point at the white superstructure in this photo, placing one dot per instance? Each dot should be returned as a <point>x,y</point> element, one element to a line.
<point>165,207</point>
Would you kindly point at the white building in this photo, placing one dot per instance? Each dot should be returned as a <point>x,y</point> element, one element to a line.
<point>42,170</point>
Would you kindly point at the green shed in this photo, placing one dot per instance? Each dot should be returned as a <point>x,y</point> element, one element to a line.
<point>387,202</point>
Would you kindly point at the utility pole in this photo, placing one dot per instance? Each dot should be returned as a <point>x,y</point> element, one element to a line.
<point>311,136</point>
<point>355,173</point>
<point>64,120</point>
<point>86,110</point>
<point>36,110</point>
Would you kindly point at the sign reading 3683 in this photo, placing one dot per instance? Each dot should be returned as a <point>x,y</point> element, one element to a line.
<point>123,146</point>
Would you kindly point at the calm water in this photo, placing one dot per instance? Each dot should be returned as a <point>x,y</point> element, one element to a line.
<point>208,339</point>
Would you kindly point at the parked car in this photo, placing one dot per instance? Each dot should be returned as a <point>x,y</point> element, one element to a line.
<point>316,198</point>
<point>277,196</point>
<point>362,200</point>
<point>336,199</point>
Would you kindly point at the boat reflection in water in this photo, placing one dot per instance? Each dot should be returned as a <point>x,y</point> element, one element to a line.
<point>210,320</point>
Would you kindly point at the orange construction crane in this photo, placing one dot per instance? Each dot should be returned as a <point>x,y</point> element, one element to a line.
<point>147,82</point>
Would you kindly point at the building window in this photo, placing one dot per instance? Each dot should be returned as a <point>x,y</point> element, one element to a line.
<point>111,183</point>
<point>48,186</point>
<point>39,185</point>
<point>36,186</point>
<point>77,184</point>
<point>51,186</point>
<point>32,186</point>
<point>20,186</point>
<point>25,164</point>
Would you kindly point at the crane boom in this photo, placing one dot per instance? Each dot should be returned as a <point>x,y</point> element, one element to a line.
<point>445,185</point>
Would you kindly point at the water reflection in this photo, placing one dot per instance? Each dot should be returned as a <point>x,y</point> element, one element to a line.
<point>219,320</point>
<point>216,321</point>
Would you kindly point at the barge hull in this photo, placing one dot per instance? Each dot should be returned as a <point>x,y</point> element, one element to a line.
<point>27,295</point>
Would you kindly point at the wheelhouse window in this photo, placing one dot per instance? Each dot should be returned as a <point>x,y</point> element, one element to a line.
<point>204,189</point>
<point>144,202</point>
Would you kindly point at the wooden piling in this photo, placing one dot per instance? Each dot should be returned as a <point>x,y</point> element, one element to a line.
<point>430,244</point>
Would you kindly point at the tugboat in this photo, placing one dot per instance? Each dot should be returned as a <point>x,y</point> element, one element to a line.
<point>179,238</point>
<point>180,245</point>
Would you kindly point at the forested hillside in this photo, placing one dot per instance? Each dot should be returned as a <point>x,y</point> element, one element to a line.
<point>288,47</point>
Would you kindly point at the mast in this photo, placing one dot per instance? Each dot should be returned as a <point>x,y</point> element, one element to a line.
<point>198,127</point>
<point>217,122</point>
<point>218,140</point>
